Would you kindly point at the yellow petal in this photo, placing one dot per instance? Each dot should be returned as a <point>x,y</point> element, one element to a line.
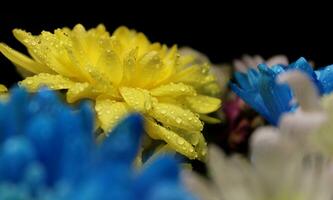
<point>100,30</point>
<point>169,63</point>
<point>165,148</point>
<point>86,90</point>
<point>148,69</point>
<point>80,91</point>
<point>57,50</point>
<point>191,136</point>
<point>109,112</point>
<point>95,55</point>
<point>210,89</point>
<point>196,139</point>
<point>178,143</point>
<point>171,56</point>
<point>187,60</point>
<point>129,66</point>
<point>138,99</point>
<point>110,66</point>
<point>3,88</point>
<point>201,148</point>
<point>161,149</point>
<point>173,89</point>
<point>172,115</point>
<point>55,82</point>
<point>129,39</point>
<point>23,61</point>
<point>140,40</point>
<point>209,119</point>
<point>80,65</point>
<point>196,75</point>
<point>50,49</point>
<point>24,73</point>
<point>122,34</point>
<point>31,42</point>
<point>203,104</point>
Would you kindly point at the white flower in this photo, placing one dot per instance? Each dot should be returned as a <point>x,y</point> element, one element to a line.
<point>283,163</point>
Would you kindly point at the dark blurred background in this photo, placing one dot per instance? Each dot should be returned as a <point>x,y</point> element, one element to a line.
<point>222,31</point>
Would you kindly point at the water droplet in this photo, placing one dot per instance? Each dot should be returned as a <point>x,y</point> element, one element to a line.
<point>203,152</point>
<point>180,141</point>
<point>178,120</point>
<point>29,82</point>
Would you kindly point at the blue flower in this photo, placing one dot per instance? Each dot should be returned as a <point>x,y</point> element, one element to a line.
<point>48,152</point>
<point>259,89</point>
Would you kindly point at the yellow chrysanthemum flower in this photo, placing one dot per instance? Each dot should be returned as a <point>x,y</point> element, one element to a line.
<point>3,89</point>
<point>123,72</point>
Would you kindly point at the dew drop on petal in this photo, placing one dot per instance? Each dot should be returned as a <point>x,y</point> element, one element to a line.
<point>180,141</point>
<point>178,120</point>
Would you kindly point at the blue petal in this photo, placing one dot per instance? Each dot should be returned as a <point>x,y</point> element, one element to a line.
<point>242,80</point>
<point>253,99</point>
<point>303,65</point>
<point>275,97</point>
<point>47,151</point>
<point>271,99</point>
<point>123,142</point>
<point>15,155</point>
<point>41,132</point>
<point>278,69</point>
<point>34,178</point>
<point>253,77</point>
<point>87,117</point>
<point>17,113</point>
<point>325,78</point>
<point>265,70</point>
<point>169,191</point>
<point>162,169</point>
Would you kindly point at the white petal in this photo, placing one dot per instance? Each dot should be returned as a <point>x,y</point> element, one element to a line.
<point>249,61</point>
<point>267,147</point>
<point>278,59</point>
<point>233,176</point>
<point>305,92</point>
<point>310,115</point>
<point>299,124</point>
<point>240,66</point>
<point>199,186</point>
<point>258,60</point>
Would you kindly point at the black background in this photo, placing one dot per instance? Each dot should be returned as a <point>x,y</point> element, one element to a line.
<point>221,31</point>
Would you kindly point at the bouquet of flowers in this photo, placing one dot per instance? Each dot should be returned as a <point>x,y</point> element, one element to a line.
<point>101,115</point>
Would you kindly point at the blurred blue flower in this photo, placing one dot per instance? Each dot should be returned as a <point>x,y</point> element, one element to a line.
<point>48,152</point>
<point>259,89</point>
